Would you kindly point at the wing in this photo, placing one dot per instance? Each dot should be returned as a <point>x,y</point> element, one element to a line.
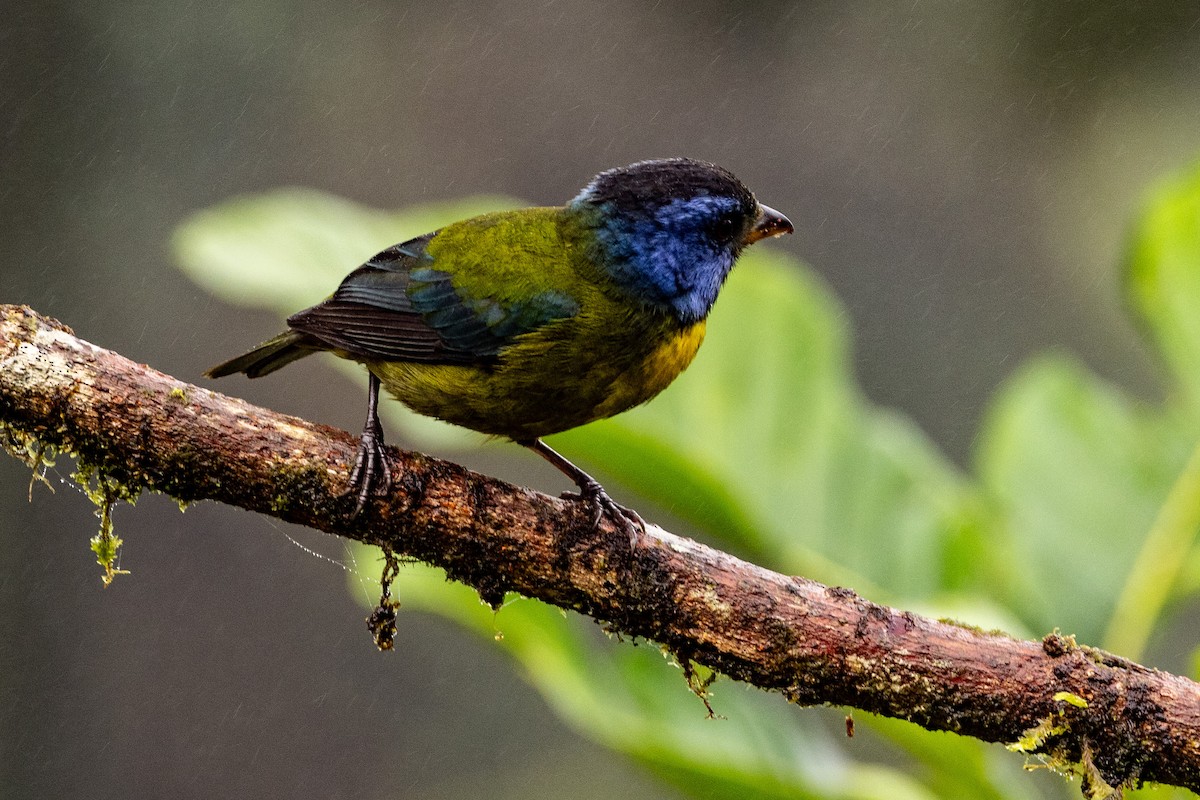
<point>400,307</point>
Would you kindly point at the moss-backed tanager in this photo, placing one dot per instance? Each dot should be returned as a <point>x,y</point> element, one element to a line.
<point>525,323</point>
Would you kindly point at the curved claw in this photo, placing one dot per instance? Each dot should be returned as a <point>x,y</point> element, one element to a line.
<point>371,476</point>
<point>624,518</point>
<point>590,491</point>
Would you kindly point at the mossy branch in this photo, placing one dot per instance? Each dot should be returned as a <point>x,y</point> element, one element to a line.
<point>1111,721</point>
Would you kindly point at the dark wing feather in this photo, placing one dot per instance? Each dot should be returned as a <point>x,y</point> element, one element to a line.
<point>399,307</point>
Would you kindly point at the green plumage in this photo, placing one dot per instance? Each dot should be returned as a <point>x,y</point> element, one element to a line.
<point>565,344</point>
<point>566,371</point>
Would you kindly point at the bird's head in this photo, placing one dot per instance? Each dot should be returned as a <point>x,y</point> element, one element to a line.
<point>669,230</point>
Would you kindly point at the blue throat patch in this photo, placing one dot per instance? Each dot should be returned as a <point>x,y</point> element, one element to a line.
<point>666,256</point>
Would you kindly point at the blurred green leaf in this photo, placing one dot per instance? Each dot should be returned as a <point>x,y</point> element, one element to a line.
<point>289,248</point>
<point>1163,279</point>
<point>1074,473</point>
<point>1161,562</point>
<point>956,766</point>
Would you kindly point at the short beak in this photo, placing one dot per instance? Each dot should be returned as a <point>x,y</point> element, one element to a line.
<point>770,223</point>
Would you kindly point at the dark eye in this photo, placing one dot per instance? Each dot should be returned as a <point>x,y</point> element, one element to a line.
<point>723,229</point>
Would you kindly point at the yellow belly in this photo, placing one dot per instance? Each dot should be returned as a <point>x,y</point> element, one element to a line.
<point>663,365</point>
<point>552,380</point>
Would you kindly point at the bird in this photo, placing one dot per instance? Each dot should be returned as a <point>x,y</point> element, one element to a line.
<point>520,324</point>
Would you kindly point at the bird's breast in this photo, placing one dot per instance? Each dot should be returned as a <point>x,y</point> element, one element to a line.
<point>548,383</point>
<point>660,366</point>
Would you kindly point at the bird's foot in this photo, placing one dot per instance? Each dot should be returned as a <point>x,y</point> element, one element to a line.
<point>592,493</point>
<point>371,475</point>
<point>628,520</point>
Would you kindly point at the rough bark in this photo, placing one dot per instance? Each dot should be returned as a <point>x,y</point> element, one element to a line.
<point>1117,722</point>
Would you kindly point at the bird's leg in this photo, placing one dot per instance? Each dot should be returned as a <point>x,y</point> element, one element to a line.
<point>590,491</point>
<point>370,475</point>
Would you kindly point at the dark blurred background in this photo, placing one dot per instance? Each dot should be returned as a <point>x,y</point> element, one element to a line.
<point>962,175</point>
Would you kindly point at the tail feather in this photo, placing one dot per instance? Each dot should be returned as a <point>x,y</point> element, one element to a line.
<point>267,357</point>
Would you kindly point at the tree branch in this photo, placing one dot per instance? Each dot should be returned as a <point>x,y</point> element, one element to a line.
<point>1117,722</point>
